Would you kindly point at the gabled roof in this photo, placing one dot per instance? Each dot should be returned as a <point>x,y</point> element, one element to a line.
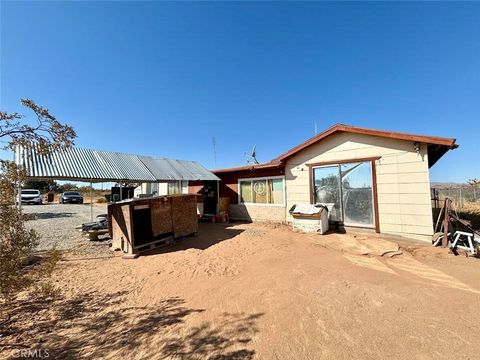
<point>437,146</point>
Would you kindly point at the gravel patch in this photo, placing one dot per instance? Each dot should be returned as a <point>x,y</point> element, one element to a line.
<point>55,224</point>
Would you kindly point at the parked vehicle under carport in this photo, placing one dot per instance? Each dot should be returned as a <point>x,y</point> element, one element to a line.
<point>31,196</point>
<point>71,197</point>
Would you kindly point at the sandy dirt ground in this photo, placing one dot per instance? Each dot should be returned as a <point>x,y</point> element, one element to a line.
<point>254,291</point>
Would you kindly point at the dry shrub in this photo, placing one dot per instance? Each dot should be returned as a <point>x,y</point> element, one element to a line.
<point>471,207</point>
<point>45,290</point>
<point>101,200</point>
<point>471,212</point>
<point>17,244</point>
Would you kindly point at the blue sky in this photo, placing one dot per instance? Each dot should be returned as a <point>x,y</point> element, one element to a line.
<point>164,78</point>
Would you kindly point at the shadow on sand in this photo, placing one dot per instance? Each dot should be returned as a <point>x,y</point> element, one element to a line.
<point>99,326</point>
<point>51,215</point>
<point>208,235</point>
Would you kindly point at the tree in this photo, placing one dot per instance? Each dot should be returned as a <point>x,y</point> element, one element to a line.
<point>17,243</point>
<point>67,186</point>
<point>474,183</point>
<point>42,185</point>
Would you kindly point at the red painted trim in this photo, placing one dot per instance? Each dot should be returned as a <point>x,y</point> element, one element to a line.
<point>347,161</point>
<point>252,167</point>
<point>375,197</point>
<point>310,182</point>
<point>447,142</point>
<point>360,227</point>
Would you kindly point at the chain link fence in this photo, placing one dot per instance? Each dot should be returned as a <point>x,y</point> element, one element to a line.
<point>462,196</point>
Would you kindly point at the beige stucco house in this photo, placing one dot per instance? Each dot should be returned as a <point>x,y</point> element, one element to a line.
<point>368,178</point>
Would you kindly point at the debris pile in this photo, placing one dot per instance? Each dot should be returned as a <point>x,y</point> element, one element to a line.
<point>455,233</point>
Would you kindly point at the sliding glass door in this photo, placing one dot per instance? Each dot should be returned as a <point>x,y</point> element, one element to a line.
<point>347,190</point>
<point>327,190</point>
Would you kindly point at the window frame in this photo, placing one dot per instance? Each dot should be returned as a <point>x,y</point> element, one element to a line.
<point>373,160</point>
<point>284,193</point>
<point>177,184</point>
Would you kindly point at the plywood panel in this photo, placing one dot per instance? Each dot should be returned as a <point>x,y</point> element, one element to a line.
<point>161,210</point>
<point>120,226</point>
<point>184,215</point>
<point>224,203</point>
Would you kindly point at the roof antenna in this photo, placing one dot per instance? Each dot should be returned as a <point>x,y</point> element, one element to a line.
<point>214,143</point>
<point>252,158</point>
<point>316,132</point>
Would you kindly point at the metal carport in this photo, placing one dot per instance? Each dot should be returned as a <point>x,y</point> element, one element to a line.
<point>90,165</point>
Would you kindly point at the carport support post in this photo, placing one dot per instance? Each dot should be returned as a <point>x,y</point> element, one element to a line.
<point>91,200</point>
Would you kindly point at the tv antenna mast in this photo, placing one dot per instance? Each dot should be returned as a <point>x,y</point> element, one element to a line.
<point>252,157</point>
<point>214,143</point>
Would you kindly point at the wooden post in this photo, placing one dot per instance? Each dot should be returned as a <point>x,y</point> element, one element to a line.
<point>446,213</point>
<point>91,200</point>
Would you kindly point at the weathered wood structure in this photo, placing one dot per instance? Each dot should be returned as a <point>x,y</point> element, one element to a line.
<point>142,224</point>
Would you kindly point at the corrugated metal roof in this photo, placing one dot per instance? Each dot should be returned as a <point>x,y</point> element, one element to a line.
<point>168,169</point>
<point>96,165</point>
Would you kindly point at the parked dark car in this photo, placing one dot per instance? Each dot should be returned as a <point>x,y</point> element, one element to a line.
<point>71,197</point>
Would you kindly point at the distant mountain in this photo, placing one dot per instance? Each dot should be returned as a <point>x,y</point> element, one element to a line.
<point>435,184</point>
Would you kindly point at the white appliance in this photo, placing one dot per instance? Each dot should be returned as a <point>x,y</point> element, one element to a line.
<point>310,218</point>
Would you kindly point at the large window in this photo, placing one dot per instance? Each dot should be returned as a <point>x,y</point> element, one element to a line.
<point>177,187</point>
<point>267,191</point>
<point>347,190</point>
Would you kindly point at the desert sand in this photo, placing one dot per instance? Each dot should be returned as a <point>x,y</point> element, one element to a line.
<point>263,292</point>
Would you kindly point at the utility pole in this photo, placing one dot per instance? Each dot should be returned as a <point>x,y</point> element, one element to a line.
<point>214,143</point>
